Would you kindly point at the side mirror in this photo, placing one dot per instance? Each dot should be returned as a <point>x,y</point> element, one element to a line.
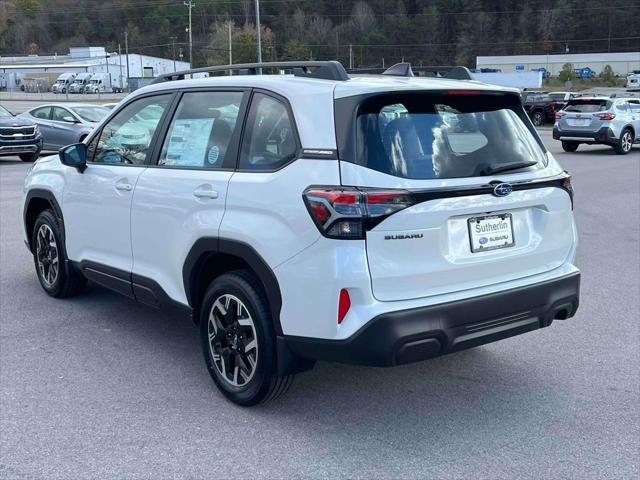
<point>69,119</point>
<point>75,156</point>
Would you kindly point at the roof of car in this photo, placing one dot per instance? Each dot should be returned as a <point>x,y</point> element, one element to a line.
<point>67,105</point>
<point>290,85</point>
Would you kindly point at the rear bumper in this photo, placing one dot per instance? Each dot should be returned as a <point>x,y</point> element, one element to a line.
<point>417,334</point>
<point>604,135</point>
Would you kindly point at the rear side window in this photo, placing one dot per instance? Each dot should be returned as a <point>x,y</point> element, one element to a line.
<point>587,106</point>
<point>430,136</point>
<point>41,112</point>
<point>202,130</point>
<point>270,139</point>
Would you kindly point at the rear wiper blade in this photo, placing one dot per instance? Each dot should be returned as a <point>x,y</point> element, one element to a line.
<point>504,167</point>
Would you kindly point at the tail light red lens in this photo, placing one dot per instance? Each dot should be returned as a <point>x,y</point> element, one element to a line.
<point>559,115</point>
<point>605,115</point>
<point>344,304</point>
<point>347,212</point>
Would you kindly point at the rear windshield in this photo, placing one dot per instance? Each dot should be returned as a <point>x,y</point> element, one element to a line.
<point>587,106</point>
<point>430,136</point>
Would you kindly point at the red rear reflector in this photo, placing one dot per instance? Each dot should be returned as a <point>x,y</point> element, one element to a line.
<point>344,304</point>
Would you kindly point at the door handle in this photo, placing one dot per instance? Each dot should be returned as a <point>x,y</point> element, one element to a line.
<point>127,187</point>
<point>205,191</point>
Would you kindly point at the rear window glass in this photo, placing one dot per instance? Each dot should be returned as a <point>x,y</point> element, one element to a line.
<point>444,136</point>
<point>587,106</point>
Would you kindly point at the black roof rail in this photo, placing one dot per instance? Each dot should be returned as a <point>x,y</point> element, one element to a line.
<point>325,70</point>
<point>406,70</point>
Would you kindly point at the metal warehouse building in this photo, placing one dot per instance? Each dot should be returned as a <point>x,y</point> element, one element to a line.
<point>622,63</point>
<point>16,71</point>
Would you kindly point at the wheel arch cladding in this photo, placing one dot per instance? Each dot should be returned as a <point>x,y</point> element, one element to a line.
<point>211,257</point>
<point>36,202</point>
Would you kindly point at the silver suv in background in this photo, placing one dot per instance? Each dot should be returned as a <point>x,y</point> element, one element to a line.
<point>599,120</point>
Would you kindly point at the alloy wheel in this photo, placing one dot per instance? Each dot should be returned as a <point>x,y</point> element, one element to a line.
<point>47,255</point>
<point>232,340</point>
<point>626,141</point>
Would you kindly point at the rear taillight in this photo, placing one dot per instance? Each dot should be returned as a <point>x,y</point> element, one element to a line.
<point>566,185</point>
<point>344,304</point>
<point>605,115</point>
<point>347,212</point>
<point>559,114</point>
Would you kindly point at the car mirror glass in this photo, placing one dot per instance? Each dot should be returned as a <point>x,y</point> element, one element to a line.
<point>74,156</point>
<point>69,119</point>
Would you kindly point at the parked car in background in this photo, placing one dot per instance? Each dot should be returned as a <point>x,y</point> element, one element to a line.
<point>19,136</point>
<point>64,124</point>
<point>599,120</point>
<point>541,108</point>
<point>633,82</point>
<point>545,73</point>
<point>561,98</point>
<point>63,82</point>
<point>78,84</point>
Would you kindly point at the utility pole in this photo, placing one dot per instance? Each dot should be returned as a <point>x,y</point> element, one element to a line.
<point>350,56</point>
<point>126,49</point>
<point>230,46</point>
<point>173,51</point>
<point>258,31</point>
<point>190,4</point>
<point>120,61</point>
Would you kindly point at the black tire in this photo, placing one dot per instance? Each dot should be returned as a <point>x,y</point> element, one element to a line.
<point>537,118</point>
<point>626,142</point>
<point>568,146</point>
<point>29,157</point>
<point>68,281</point>
<point>264,383</point>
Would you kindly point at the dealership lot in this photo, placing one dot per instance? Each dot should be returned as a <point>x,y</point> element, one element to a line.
<point>99,386</point>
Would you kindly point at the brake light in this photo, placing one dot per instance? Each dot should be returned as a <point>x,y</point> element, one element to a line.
<point>344,304</point>
<point>560,114</point>
<point>605,116</point>
<point>347,212</point>
<point>463,92</point>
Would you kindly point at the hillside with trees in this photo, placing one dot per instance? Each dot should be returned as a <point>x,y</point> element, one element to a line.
<point>361,32</point>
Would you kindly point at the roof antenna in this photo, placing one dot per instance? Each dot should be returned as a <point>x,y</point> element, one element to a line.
<point>399,70</point>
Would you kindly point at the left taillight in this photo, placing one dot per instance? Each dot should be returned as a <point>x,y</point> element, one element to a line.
<point>348,212</point>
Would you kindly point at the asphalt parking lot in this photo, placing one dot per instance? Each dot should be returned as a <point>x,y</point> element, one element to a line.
<point>100,387</point>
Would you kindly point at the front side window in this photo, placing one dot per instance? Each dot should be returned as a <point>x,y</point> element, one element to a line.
<point>126,138</point>
<point>202,130</point>
<point>270,140</point>
<point>62,115</point>
<point>430,136</point>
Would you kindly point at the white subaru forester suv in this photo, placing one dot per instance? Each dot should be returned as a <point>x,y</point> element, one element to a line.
<point>312,215</point>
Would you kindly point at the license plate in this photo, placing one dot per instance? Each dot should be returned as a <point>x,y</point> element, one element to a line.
<point>491,232</point>
<point>579,122</point>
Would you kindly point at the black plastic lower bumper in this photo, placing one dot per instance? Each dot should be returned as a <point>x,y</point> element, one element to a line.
<point>417,334</point>
<point>604,135</point>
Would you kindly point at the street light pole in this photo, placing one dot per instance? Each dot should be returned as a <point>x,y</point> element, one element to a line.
<point>173,51</point>
<point>190,4</point>
<point>258,31</point>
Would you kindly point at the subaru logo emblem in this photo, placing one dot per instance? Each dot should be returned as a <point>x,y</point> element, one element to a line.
<point>502,189</point>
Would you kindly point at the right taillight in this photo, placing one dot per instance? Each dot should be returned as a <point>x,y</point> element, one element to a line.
<point>559,114</point>
<point>348,212</point>
<point>605,115</point>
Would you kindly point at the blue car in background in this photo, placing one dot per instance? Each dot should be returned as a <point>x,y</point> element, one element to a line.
<point>585,72</point>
